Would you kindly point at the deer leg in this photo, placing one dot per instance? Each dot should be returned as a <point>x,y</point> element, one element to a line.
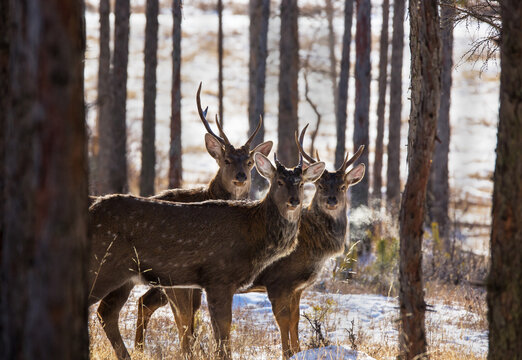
<point>184,304</point>
<point>220,309</point>
<point>151,301</point>
<point>281,310</point>
<point>294,321</point>
<point>109,313</point>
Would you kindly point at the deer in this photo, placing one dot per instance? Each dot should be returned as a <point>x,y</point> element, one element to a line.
<point>218,246</point>
<point>231,182</point>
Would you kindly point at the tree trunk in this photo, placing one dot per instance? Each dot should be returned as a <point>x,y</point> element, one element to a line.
<point>331,49</point>
<point>438,195</point>
<point>45,237</point>
<point>505,278</point>
<point>148,150</point>
<point>175,170</point>
<point>259,12</point>
<point>425,99</point>
<point>118,165</point>
<point>393,179</point>
<point>104,128</point>
<point>342,99</point>
<point>383,82</point>
<point>288,90</point>
<point>220,57</point>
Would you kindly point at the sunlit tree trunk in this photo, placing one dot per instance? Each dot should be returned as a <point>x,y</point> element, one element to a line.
<point>220,57</point>
<point>505,278</point>
<point>44,289</point>
<point>329,9</point>
<point>425,99</point>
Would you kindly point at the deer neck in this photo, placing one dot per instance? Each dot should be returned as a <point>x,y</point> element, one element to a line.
<point>280,232</point>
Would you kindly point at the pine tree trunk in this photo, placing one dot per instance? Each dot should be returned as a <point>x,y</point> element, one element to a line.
<point>505,278</point>
<point>425,99</point>
<point>175,169</point>
<point>220,58</point>
<point>45,236</point>
<point>438,195</point>
<point>383,82</point>
<point>118,165</point>
<point>259,12</point>
<point>104,128</point>
<point>148,150</point>
<point>342,99</point>
<point>329,9</point>
<point>288,90</point>
<point>393,180</point>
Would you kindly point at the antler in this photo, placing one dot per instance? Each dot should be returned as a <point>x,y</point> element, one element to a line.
<point>299,144</point>
<point>278,164</point>
<point>203,116</point>
<point>221,132</point>
<point>347,162</point>
<point>247,144</point>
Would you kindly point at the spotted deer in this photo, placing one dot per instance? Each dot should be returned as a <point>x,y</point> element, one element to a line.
<point>219,246</point>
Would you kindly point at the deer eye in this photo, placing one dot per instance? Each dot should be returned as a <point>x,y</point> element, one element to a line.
<point>280,183</point>
<point>343,187</point>
<point>250,163</point>
<point>227,162</point>
<point>301,185</point>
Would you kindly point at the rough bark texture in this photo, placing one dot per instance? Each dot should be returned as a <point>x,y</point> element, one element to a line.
<point>329,9</point>
<point>438,195</point>
<point>220,57</point>
<point>148,150</point>
<point>342,100</point>
<point>45,245</point>
<point>362,95</point>
<point>425,99</point>
<point>117,167</point>
<point>381,103</point>
<point>505,278</point>
<point>104,129</point>
<point>259,11</point>
<point>393,180</point>
<point>175,169</point>
<point>288,90</point>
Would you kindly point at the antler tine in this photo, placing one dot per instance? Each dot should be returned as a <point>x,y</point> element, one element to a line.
<point>355,156</point>
<point>317,155</point>
<point>255,131</point>
<point>299,144</point>
<point>221,132</point>
<point>203,114</point>
<point>276,161</point>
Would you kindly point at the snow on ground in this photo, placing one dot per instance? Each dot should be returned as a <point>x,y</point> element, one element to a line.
<point>331,353</point>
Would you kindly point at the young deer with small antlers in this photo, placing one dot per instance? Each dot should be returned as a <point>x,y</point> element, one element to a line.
<point>232,182</point>
<point>218,246</point>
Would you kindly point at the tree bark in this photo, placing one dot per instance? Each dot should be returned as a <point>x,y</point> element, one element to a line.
<point>393,180</point>
<point>342,99</point>
<point>288,77</point>
<point>118,165</point>
<point>381,103</point>
<point>438,195</point>
<point>504,284</point>
<point>104,129</point>
<point>362,95</point>
<point>220,58</point>
<point>148,149</point>
<point>175,170</point>
<point>425,99</point>
<point>329,9</point>
<point>259,12</point>
<point>45,236</point>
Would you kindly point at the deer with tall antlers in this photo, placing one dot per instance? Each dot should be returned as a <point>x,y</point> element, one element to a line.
<point>232,182</point>
<point>218,246</point>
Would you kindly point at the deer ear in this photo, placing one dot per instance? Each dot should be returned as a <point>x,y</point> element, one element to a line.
<point>214,147</point>
<point>314,171</point>
<point>263,148</point>
<point>264,166</point>
<point>355,175</point>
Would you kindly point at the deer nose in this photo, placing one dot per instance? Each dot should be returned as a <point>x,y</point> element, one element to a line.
<point>332,200</point>
<point>294,201</point>
<point>241,176</point>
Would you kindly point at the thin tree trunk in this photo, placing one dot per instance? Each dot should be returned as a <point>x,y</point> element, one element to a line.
<point>148,150</point>
<point>104,128</point>
<point>393,180</point>
<point>342,99</point>
<point>259,12</point>
<point>175,170</point>
<point>288,77</point>
<point>118,166</point>
<point>220,57</point>
<point>425,99</point>
<point>438,195</point>
<point>331,49</point>
<point>504,295</point>
<point>383,82</point>
<point>45,236</point>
